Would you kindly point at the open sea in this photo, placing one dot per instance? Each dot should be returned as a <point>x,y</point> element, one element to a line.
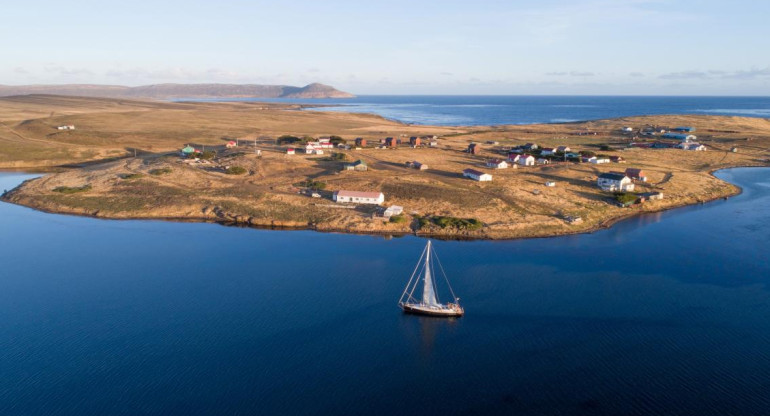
<point>663,314</point>
<point>494,110</point>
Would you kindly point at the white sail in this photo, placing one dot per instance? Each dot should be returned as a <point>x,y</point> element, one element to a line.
<point>428,294</point>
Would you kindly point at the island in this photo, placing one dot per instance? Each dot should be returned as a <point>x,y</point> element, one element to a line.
<point>290,166</point>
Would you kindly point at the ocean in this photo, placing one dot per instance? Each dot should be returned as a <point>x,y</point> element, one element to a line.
<point>663,314</point>
<point>495,110</point>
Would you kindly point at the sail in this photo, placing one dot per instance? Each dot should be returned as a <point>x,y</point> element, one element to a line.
<point>428,293</point>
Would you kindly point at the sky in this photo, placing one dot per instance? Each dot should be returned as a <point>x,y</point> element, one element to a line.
<point>602,47</point>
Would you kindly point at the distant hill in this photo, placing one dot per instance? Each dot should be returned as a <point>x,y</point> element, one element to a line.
<point>166,91</point>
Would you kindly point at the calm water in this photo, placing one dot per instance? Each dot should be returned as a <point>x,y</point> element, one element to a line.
<point>492,110</point>
<point>663,314</point>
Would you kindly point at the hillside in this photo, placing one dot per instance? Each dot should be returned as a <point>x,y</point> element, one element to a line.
<point>167,91</point>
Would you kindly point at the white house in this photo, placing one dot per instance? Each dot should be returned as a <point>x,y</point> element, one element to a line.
<point>66,127</point>
<point>527,160</point>
<point>309,149</point>
<point>627,129</point>
<point>477,175</point>
<point>692,146</point>
<point>613,182</point>
<point>392,210</point>
<point>319,151</point>
<point>550,184</point>
<point>497,164</point>
<point>599,160</point>
<point>358,197</point>
<point>290,151</point>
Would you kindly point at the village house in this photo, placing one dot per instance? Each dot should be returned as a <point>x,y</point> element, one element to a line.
<point>360,142</point>
<point>542,161</point>
<point>617,159</point>
<point>588,159</point>
<point>433,143</point>
<point>290,151</point>
<point>188,150</point>
<point>627,129</point>
<point>310,149</point>
<point>318,151</point>
<point>692,146</point>
<point>563,149</point>
<point>415,141</point>
<point>526,160</point>
<point>684,138</point>
<point>231,144</point>
<point>614,182</point>
<point>374,198</point>
<point>548,151</point>
<point>477,175</point>
<point>358,165</point>
<point>637,174</point>
<point>66,127</point>
<point>391,142</point>
<point>473,148</point>
<point>416,165</point>
<point>497,164</point>
<point>530,146</point>
<point>550,184</point>
<point>599,160</point>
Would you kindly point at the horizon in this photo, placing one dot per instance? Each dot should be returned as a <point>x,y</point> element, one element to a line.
<point>584,48</point>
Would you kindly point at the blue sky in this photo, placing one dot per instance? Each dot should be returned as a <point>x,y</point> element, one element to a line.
<point>397,47</point>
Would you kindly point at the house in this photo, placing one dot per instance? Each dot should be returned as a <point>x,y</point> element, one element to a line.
<point>473,148</point>
<point>416,165</point>
<point>290,151</point>
<point>309,149</point>
<point>477,175</point>
<point>542,161</point>
<point>360,142</point>
<point>231,144</point>
<point>527,160</point>
<point>530,146</point>
<point>683,129</point>
<point>188,150</point>
<point>550,184</point>
<point>599,160</point>
<point>563,149</point>
<point>513,157</point>
<point>588,159</point>
<point>492,142</point>
<point>358,165</point>
<point>433,143</point>
<point>685,138</point>
<point>635,173</point>
<point>627,129</point>
<point>651,196</point>
<point>617,159</point>
<point>358,197</point>
<point>497,164</point>
<point>66,127</point>
<point>318,151</point>
<point>415,141</point>
<point>548,151</point>
<point>691,146</point>
<point>613,182</point>
<point>390,142</point>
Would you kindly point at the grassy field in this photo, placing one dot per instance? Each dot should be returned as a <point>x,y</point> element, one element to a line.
<point>159,184</point>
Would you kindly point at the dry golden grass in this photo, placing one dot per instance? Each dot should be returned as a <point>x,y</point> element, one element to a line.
<point>515,204</point>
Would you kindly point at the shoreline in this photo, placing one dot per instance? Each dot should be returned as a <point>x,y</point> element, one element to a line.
<point>604,225</point>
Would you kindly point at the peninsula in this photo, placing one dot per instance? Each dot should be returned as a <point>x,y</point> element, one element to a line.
<point>278,165</point>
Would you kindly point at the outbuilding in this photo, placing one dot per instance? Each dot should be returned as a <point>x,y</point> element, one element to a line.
<point>526,160</point>
<point>635,173</point>
<point>358,197</point>
<point>497,164</point>
<point>477,175</point>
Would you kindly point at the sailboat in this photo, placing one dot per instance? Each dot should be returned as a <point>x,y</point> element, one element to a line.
<point>429,304</point>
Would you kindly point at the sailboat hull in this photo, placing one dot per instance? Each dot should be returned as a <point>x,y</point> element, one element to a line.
<point>450,310</point>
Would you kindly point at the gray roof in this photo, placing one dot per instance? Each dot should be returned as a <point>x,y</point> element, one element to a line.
<point>613,176</point>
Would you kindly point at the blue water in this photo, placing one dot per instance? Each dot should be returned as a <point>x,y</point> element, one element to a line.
<point>664,314</point>
<point>495,110</point>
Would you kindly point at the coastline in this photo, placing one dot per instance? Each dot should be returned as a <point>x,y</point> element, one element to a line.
<point>281,226</point>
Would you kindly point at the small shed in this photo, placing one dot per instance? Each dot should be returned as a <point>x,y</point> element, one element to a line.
<point>358,165</point>
<point>415,141</point>
<point>526,160</point>
<point>635,173</point>
<point>360,142</point>
<point>391,142</point>
<point>290,151</point>
<point>231,144</point>
<point>497,164</point>
<point>473,148</point>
